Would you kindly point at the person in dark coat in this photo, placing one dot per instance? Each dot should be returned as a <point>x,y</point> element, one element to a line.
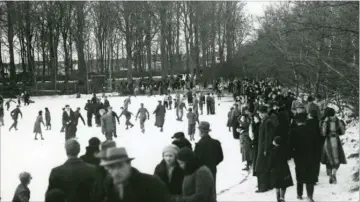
<point>160,112</point>
<point>106,103</point>
<point>55,195</point>
<point>228,123</point>
<point>208,103</point>
<point>68,119</point>
<point>169,172</point>
<point>199,183</point>
<point>201,103</point>
<point>2,116</point>
<point>302,148</point>
<point>37,125</point>
<point>15,115</point>
<point>180,140</point>
<point>47,119</point>
<point>78,116</point>
<point>266,136</point>
<point>208,150</point>
<point>234,121</point>
<point>245,141</point>
<point>189,97</point>
<point>89,107</point>
<point>91,150</point>
<point>22,192</point>
<point>74,177</point>
<point>314,126</point>
<point>128,184</point>
<point>280,175</point>
<point>254,135</point>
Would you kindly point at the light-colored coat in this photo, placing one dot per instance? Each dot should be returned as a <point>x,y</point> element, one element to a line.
<point>107,123</point>
<point>37,125</point>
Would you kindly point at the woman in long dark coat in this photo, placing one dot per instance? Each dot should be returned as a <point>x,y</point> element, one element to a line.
<point>160,116</point>
<point>333,153</point>
<point>280,176</point>
<point>37,125</point>
<point>169,171</point>
<point>245,141</point>
<point>302,148</point>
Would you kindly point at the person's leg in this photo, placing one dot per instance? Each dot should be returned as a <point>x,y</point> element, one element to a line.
<point>310,191</point>
<point>300,190</point>
<point>282,194</point>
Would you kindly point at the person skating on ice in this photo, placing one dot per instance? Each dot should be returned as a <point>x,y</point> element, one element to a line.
<point>127,115</point>
<point>7,103</point>
<point>143,114</point>
<point>78,115</point>
<point>180,110</point>
<point>47,119</point>
<point>15,115</point>
<point>37,125</point>
<point>192,120</point>
<point>160,112</point>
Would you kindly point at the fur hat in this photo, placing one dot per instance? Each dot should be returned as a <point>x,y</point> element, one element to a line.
<point>172,149</point>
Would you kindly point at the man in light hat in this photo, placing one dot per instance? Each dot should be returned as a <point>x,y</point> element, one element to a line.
<point>208,150</point>
<point>22,192</point>
<point>128,184</point>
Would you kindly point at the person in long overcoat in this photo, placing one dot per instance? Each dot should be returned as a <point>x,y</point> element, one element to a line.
<point>254,135</point>
<point>236,112</point>
<point>266,136</point>
<point>302,148</point>
<point>199,184</point>
<point>37,125</point>
<point>280,175</point>
<point>333,153</point>
<point>169,171</point>
<point>91,150</point>
<point>68,119</point>
<point>208,150</point>
<point>160,116</point>
<point>47,119</point>
<point>313,123</point>
<point>228,123</point>
<point>245,141</point>
<point>107,124</point>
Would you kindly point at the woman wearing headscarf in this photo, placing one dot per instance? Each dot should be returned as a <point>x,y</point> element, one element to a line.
<point>333,153</point>
<point>199,184</point>
<point>169,172</point>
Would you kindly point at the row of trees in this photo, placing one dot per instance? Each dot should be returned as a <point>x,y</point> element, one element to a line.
<point>50,31</point>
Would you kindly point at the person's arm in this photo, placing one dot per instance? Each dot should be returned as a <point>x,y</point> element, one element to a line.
<point>148,114</point>
<point>82,119</point>
<point>137,114</point>
<point>220,152</point>
<point>117,118</point>
<point>20,113</point>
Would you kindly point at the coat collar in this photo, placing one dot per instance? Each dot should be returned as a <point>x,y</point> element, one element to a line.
<point>73,160</point>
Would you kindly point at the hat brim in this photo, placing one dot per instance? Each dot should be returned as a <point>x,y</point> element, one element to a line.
<point>107,163</point>
<point>204,129</point>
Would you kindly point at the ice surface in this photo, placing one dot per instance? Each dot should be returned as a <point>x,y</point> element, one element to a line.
<point>20,152</point>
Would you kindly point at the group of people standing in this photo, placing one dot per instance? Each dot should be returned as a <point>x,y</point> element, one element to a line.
<point>273,128</point>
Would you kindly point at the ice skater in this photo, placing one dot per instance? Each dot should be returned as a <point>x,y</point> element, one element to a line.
<point>68,119</point>
<point>78,115</point>
<point>127,101</point>
<point>180,110</point>
<point>192,120</point>
<point>37,126</point>
<point>127,115</point>
<point>89,107</point>
<point>7,103</point>
<point>15,115</point>
<point>144,113</point>
<point>114,119</point>
<point>47,119</point>
<point>160,112</point>
<point>63,124</point>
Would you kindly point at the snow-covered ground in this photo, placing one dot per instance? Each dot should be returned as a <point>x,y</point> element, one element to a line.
<point>20,152</point>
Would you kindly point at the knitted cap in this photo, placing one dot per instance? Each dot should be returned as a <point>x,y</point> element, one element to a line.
<point>172,149</point>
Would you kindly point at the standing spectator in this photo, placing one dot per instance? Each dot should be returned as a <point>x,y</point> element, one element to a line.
<point>169,171</point>
<point>254,136</point>
<point>128,184</point>
<point>266,136</point>
<point>202,102</point>
<point>68,119</point>
<point>280,175</point>
<point>107,124</point>
<point>208,150</point>
<point>192,120</point>
<point>208,103</point>
<point>22,192</point>
<point>302,149</point>
<point>321,103</point>
<point>234,121</point>
<point>78,175</point>
<point>160,112</point>
<point>37,125</point>
<point>2,116</point>
<point>228,123</point>
<point>91,150</point>
<point>47,119</point>
<point>199,183</point>
<point>310,106</point>
<point>333,154</point>
<point>298,105</point>
<point>245,141</point>
<point>180,140</point>
<point>89,107</point>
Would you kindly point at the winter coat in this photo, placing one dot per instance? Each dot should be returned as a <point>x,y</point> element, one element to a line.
<point>255,130</point>
<point>37,125</point>
<point>140,187</point>
<point>78,115</point>
<point>183,142</point>
<point>333,152</point>
<point>192,118</point>
<point>22,194</point>
<point>209,152</point>
<point>107,124</point>
<point>160,115</point>
<point>283,128</point>
<point>15,113</point>
<point>98,190</point>
<point>89,157</point>
<point>175,183</point>
<point>266,135</point>
<point>198,186</point>
<point>74,178</point>
<point>245,141</point>
<point>312,106</point>
<point>302,148</point>
<point>280,175</point>
<point>47,117</point>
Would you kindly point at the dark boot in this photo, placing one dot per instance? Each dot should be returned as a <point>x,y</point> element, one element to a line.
<point>278,195</point>
<point>300,190</point>
<point>310,191</point>
<point>282,195</point>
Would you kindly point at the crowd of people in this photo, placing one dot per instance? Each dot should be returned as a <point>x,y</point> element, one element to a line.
<point>271,125</point>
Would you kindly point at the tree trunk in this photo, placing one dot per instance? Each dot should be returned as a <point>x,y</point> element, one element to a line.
<point>80,43</point>
<point>10,11</point>
<point>164,65</point>
<point>30,56</point>
<point>178,57</point>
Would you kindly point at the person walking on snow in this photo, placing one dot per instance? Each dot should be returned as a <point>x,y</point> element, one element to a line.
<point>47,119</point>
<point>143,114</point>
<point>37,125</point>
<point>192,119</point>
<point>15,115</point>
<point>160,112</point>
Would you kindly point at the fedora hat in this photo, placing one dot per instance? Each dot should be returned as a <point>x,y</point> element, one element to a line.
<point>204,125</point>
<point>115,155</point>
<point>105,146</point>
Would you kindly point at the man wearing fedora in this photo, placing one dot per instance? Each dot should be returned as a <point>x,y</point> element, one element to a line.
<point>128,184</point>
<point>208,150</point>
<point>74,177</point>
